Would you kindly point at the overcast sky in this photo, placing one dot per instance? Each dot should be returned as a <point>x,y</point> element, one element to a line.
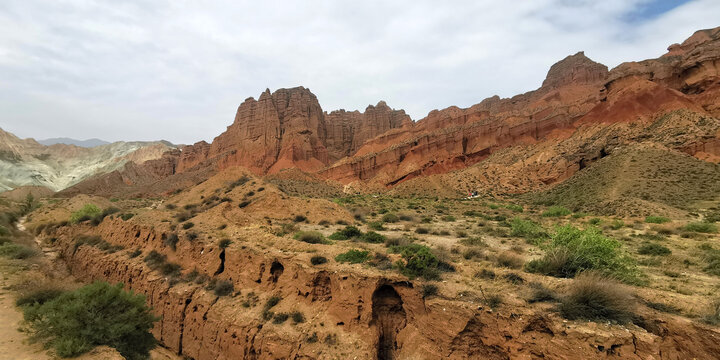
<point>177,70</point>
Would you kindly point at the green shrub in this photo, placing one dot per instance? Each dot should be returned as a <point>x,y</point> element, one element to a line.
<point>318,260</point>
<point>597,298</point>
<point>572,250</point>
<point>429,290</point>
<point>310,237</point>
<point>127,216</point>
<point>17,251</point>
<point>617,224</point>
<point>353,256</point>
<point>653,249</point>
<point>531,231</point>
<point>422,230</point>
<point>297,317</point>
<point>244,203</point>
<point>376,225</point>
<point>656,219</point>
<point>299,218</point>
<point>515,208</point>
<point>373,237</point>
<point>419,261</point>
<point>280,318</point>
<point>4,231</point>
<point>556,211</point>
<point>224,243</point>
<point>38,296</point>
<point>348,232</point>
<point>390,218</point>
<point>188,225</point>
<point>712,316</point>
<point>540,293</point>
<point>172,241</point>
<point>96,314</point>
<point>86,213</point>
<point>701,227</point>
<point>595,221</point>
<point>448,218</point>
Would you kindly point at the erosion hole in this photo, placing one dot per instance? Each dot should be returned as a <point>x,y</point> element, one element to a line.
<point>221,268</point>
<point>389,318</point>
<point>276,269</point>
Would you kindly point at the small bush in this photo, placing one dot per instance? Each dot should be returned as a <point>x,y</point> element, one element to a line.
<point>422,230</point>
<point>556,211</point>
<point>96,314</point>
<point>127,216</point>
<point>595,221</point>
<point>244,203</point>
<point>656,219</point>
<point>527,229</point>
<point>376,225</point>
<point>223,288</point>
<point>654,249</point>
<point>429,290</point>
<point>17,251</point>
<point>493,300</point>
<point>373,237</point>
<point>448,218</point>
<point>297,317</point>
<point>299,218</point>
<point>510,260</point>
<point>485,274</point>
<point>171,206</point>
<point>617,224</point>
<point>135,253</point>
<point>419,261</point>
<point>541,294</point>
<point>712,317</point>
<point>188,225</point>
<point>390,218</point>
<point>224,243</point>
<point>86,213</point>
<point>318,260</point>
<point>172,241</point>
<point>597,298</point>
<point>348,232</point>
<point>311,237</point>
<point>353,256</point>
<point>473,241</point>
<point>39,296</point>
<point>701,227</point>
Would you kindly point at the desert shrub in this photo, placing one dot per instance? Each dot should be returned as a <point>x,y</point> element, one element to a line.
<point>472,213</point>
<point>473,241</point>
<point>376,225</point>
<point>515,208</point>
<point>223,288</point>
<point>556,211</point>
<point>472,253</point>
<point>280,318</point>
<point>154,259</point>
<point>86,213</point>
<point>188,225</point>
<point>579,215</point>
<point>310,237</point>
<point>712,257</point>
<point>4,240</point>
<point>448,218</point>
<point>429,290</point>
<point>244,203</point>
<point>297,317</point>
<point>300,218</point>
<point>418,261</point>
<point>171,206</point>
<point>592,296</point>
<point>17,251</point>
<point>171,241</point>
<point>531,231</point>
<point>510,260</point>
<point>346,233</point>
<point>127,216</point>
<point>653,249</point>
<point>573,250</point>
<point>390,218</point>
<point>373,237</point>
<point>95,314</point>
<point>668,308</point>
<point>539,293</point>
<point>595,221</point>
<point>656,219</point>
<point>485,274</point>
<point>38,295</point>
<point>701,227</point>
<point>353,256</point>
<point>224,243</point>
<point>513,278</point>
<point>4,231</point>
<point>461,233</point>
<point>285,229</point>
<point>617,224</point>
<point>712,316</point>
<point>422,230</point>
<point>135,253</point>
<point>272,301</point>
<point>318,260</point>
<point>493,300</point>
<point>191,236</point>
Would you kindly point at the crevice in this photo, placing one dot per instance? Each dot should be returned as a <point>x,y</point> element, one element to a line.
<point>276,270</point>
<point>388,317</point>
<point>188,300</point>
<point>221,267</point>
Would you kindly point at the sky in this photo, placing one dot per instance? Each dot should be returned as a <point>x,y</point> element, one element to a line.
<point>177,70</point>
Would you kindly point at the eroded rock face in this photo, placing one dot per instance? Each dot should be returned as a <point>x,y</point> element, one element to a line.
<point>373,317</point>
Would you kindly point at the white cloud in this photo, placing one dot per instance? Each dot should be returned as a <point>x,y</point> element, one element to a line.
<point>179,69</point>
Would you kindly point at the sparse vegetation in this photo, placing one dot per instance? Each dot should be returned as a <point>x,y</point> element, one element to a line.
<point>353,256</point>
<point>701,227</point>
<point>656,219</point>
<point>318,260</point>
<point>531,231</point>
<point>311,237</point>
<point>346,233</point>
<point>654,249</point>
<point>556,211</point>
<point>87,212</point>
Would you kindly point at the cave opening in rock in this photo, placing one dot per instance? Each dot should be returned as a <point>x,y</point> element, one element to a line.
<point>276,269</point>
<point>388,316</point>
<point>221,268</point>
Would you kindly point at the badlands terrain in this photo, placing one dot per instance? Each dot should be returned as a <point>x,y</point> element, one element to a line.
<point>591,232</point>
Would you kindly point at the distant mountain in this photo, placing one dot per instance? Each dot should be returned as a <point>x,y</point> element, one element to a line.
<point>26,162</point>
<point>68,141</point>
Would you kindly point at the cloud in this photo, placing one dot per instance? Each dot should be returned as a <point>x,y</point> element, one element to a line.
<point>177,70</point>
